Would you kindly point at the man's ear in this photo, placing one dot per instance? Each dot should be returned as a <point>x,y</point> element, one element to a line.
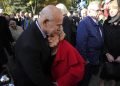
<point>45,21</point>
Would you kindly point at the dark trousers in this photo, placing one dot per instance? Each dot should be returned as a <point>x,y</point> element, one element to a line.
<point>89,71</point>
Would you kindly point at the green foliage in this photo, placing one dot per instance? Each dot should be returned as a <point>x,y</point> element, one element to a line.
<point>34,6</point>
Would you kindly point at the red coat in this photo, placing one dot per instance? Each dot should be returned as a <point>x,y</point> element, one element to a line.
<point>68,66</point>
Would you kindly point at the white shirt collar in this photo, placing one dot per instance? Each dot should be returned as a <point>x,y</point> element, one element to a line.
<point>95,21</point>
<point>44,35</point>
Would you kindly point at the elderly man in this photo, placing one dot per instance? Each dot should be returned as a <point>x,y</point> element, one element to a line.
<point>89,41</point>
<point>32,51</point>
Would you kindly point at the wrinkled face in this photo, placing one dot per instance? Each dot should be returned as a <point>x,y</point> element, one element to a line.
<point>52,26</point>
<point>95,12</point>
<point>113,10</point>
<point>12,24</point>
<point>53,40</point>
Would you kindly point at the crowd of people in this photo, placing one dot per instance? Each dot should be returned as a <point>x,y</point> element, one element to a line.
<point>61,47</point>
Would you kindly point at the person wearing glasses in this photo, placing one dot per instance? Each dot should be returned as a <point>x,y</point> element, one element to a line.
<point>89,41</point>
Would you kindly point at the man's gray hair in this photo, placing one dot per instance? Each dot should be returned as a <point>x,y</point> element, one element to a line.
<point>46,13</point>
<point>49,12</point>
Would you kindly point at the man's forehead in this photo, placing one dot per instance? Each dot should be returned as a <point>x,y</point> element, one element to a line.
<point>59,21</point>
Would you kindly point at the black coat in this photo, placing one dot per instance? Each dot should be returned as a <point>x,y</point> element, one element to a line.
<point>5,40</point>
<point>32,59</point>
<point>67,28</point>
<point>112,38</point>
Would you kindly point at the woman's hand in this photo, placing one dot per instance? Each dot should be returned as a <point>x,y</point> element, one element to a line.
<point>117,59</point>
<point>110,57</point>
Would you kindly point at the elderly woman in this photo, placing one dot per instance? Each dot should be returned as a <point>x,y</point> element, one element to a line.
<point>68,65</point>
<point>112,39</point>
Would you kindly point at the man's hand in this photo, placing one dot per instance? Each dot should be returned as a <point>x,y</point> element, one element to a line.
<point>110,57</point>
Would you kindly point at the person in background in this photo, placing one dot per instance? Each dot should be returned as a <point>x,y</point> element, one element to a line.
<point>18,19</point>
<point>35,17</point>
<point>67,23</point>
<point>22,19</point>
<point>5,41</point>
<point>31,16</point>
<point>16,30</point>
<point>89,41</point>
<point>112,40</point>
<point>106,8</point>
<point>27,21</point>
<point>68,65</point>
<point>83,13</point>
<point>32,52</point>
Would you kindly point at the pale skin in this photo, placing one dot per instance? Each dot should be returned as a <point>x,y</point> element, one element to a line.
<point>54,40</point>
<point>12,24</point>
<point>94,12</point>
<point>113,10</point>
<point>111,58</point>
<point>50,20</point>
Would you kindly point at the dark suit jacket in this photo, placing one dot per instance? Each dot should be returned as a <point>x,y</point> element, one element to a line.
<point>67,28</point>
<point>32,56</point>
